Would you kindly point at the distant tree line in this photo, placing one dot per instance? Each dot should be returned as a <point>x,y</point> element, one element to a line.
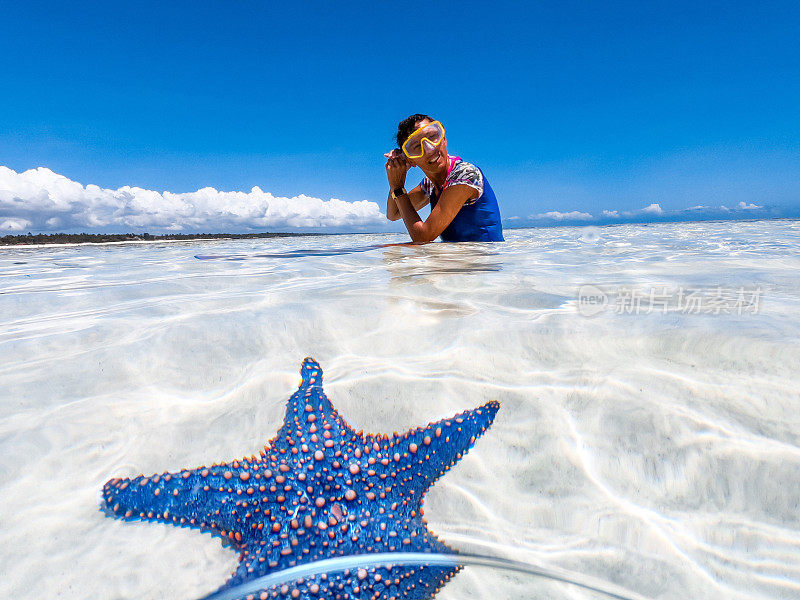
<point>99,238</point>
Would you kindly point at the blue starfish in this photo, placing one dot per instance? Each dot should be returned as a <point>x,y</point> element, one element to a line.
<point>318,490</point>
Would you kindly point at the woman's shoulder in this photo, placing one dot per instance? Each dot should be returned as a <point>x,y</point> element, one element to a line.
<point>466,173</point>
<point>463,168</point>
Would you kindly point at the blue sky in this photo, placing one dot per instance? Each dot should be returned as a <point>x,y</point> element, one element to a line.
<point>569,108</point>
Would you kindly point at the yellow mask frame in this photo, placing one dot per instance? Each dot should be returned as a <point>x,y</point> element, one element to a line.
<point>419,136</point>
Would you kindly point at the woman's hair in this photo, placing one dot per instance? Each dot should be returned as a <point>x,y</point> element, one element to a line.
<point>407,126</point>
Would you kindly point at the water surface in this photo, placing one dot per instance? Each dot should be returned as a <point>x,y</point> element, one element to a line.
<point>654,444</point>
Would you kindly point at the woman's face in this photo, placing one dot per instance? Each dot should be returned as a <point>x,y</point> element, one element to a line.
<point>435,158</point>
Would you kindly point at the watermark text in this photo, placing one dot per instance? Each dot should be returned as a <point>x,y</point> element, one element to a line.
<point>629,300</point>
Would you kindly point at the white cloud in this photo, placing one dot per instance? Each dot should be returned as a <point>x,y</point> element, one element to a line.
<point>610,213</point>
<point>751,206</point>
<point>42,200</point>
<point>14,225</point>
<point>561,216</point>
<point>654,209</point>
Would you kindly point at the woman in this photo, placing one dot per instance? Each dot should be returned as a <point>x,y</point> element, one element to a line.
<point>463,205</point>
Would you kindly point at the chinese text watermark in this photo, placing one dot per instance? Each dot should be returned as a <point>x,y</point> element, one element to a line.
<point>592,299</point>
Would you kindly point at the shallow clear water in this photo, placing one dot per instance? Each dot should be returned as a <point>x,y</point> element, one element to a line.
<point>643,439</point>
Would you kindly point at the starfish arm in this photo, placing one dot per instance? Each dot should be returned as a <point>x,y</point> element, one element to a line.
<point>422,455</point>
<point>310,387</point>
<point>309,409</point>
<point>207,498</point>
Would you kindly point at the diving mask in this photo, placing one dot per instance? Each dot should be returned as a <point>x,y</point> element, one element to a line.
<point>432,132</point>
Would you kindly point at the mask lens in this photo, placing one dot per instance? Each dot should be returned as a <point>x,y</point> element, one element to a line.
<point>434,133</point>
<point>413,147</point>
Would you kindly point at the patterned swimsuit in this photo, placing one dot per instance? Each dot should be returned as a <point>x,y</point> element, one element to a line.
<point>478,220</point>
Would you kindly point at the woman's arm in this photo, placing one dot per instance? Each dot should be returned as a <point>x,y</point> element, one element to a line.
<point>418,200</point>
<point>446,209</point>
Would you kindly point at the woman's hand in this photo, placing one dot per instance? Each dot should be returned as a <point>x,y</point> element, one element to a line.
<point>396,168</point>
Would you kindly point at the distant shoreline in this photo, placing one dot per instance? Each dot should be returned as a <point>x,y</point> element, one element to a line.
<point>41,239</point>
<point>69,239</point>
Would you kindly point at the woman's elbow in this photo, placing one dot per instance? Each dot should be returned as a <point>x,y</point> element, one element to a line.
<point>420,235</point>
